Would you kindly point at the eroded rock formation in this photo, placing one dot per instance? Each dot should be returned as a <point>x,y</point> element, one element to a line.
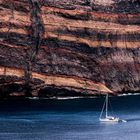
<point>83,46</point>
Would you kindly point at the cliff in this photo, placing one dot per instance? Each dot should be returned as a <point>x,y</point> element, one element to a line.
<point>81,47</point>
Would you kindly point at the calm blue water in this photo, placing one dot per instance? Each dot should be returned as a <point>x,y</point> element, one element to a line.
<point>68,120</point>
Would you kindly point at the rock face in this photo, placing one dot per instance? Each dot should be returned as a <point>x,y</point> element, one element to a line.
<point>83,46</point>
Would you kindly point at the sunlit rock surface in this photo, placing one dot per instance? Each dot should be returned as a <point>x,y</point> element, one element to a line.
<point>85,46</point>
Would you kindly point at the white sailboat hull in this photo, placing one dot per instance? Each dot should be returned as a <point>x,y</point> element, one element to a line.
<point>109,119</point>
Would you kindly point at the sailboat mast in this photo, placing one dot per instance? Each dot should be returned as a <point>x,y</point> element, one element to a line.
<point>106,105</point>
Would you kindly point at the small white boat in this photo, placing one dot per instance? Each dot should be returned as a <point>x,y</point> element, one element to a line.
<point>107,118</point>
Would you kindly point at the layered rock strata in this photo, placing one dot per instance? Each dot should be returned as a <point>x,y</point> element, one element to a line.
<point>84,46</point>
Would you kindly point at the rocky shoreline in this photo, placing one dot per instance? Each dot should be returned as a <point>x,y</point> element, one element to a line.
<point>24,98</point>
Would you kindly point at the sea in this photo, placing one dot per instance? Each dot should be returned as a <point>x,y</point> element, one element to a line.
<point>69,119</point>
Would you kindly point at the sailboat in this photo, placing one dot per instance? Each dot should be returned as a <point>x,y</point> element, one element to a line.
<point>107,118</point>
